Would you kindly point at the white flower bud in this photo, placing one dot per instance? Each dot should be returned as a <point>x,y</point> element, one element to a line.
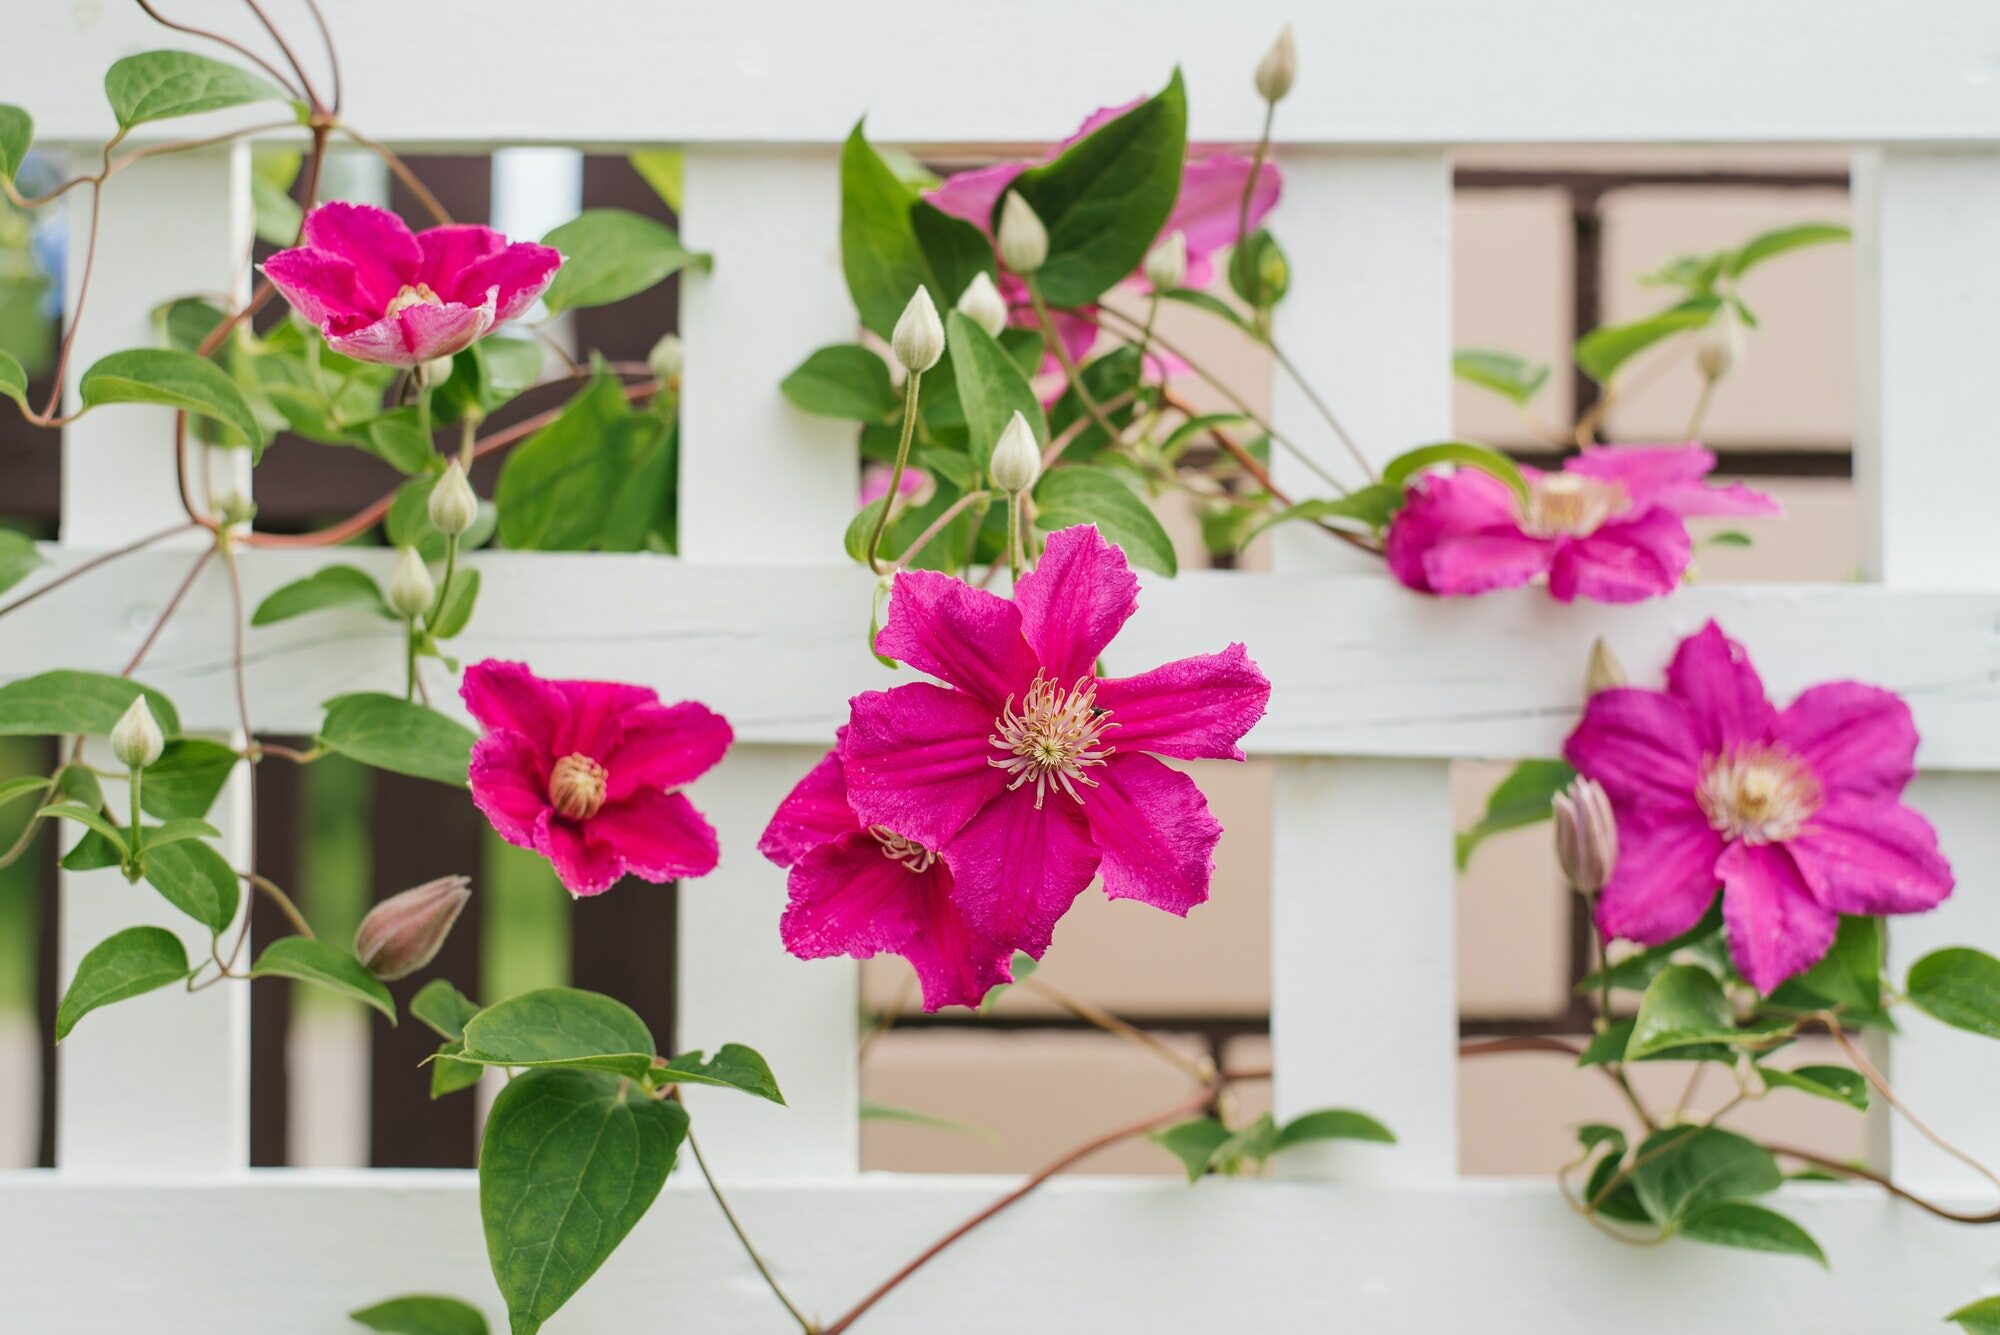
<point>982,304</point>
<point>1166,263</point>
<point>666,359</point>
<point>1719,345</point>
<point>453,504</point>
<point>1024,242</point>
<point>1017,459</point>
<point>404,933</point>
<point>918,339</point>
<point>435,371</point>
<point>1278,68</point>
<point>1586,836</point>
<point>410,588</point>
<point>137,741</point>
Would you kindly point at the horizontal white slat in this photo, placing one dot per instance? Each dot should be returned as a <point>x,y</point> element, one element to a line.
<point>294,1251</point>
<point>1383,72</point>
<point>1359,665</point>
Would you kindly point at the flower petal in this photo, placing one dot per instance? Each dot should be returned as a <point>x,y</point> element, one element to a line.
<point>1644,746</point>
<point>1776,928</point>
<point>519,274</point>
<point>664,746</point>
<point>597,714</point>
<point>1208,210</point>
<point>1673,476</point>
<point>917,760</point>
<point>1664,879</point>
<point>510,784</point>
<point>1075,600</point>
<point>1018,868</point>
<point>583,865</point>
<point>967,637</point>
<point>415,334</point>
<point>503,695</point>
<point>385,256</point>
<point>659,836</point>
<point>1195,708</point>
<point>451,249</point>
<point>1155,831</point>
<point>1460,566</point>
<point>321,286</point>
<point>1860,740</point>
<point>1464,507</point>
<point>1864,856</point>
<point>972,195</point>
<point>956,965</point>
<point>813,813</point>
<point>1713,674</point>
<point>1626,561</point>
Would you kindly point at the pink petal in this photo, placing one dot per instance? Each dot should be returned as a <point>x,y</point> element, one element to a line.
<point>1673,476</point>
<point>965,636</point>
<point>418,333</point>
<point>1208,211</point>
<point>972,195</point>
<point>956,965</point>
<point>385,256</point>
<point>813,813</point>
<point>1664,879</point>
<point>1645,747</point>
<point>1482,562</point>
<point>1864,856</point>
<point>503,695</point>
<point>1776,928</point>
<point>598,712</point>
<point>1155,831</point>
<point>583,865</point>
<point>658,836</point>
<point>1713,674</point>
<point>1626,561</point>
<point>1196,708</point>
<point>1019,869</point>
<point>1456,508</point>
<point>664,746</point>
<point>917,760</point>
<point>321,286</point>
<point>520,274</point>
<point>1075,600</point>
<point>452,248</point>
<point>510,785</point>
<point>1860,740</point>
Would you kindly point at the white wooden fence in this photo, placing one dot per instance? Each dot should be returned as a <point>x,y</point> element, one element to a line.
<point>153,1222</point>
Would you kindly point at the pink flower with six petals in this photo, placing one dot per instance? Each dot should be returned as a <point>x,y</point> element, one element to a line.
<point>579,771</point>
<point>381,294</point>
<point>1610,525</point>
<point>1796,813</point>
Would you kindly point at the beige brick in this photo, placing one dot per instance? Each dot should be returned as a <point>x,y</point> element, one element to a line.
<point>1511,293</point>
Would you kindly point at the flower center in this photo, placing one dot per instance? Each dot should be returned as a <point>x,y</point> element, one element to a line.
<point>414,294</point>
<point>1759,794</point>
<point>1056,736</point>
<point>576,787</point>
<point>1567,505</point>
<point>896,848</point>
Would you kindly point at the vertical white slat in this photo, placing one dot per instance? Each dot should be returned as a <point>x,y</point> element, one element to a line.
<point>1926,467</point>
<point>158,1084</point>
<point>761,482</point>
<point>1364,1003</point>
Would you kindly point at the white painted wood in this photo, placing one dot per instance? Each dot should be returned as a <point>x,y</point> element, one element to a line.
<point>1382,72</point>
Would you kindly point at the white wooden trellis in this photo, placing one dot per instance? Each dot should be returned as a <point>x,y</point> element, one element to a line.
<point>153,1222</point>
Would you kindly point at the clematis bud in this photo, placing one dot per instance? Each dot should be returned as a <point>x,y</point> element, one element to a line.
<point>232,507</point>
<point>982,304</point>
<point>410,588</point>
<point>1024,242</point>
<point>918,339</point>
<point>453,504</point>
<point>1166,263</point>
<point>1604,672</point>
<point>405,932</point>
<point>1017,459</point>
<point>1278,68</point>
<point>666,359</point>
<point>1586,835</point>
<point>1719,345</point>
<point>435,371</point>
<point>136,740</point>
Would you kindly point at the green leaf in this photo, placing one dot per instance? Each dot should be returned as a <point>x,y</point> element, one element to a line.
<point>1114,376</point>
<point>892,243</point>
<point>397,735</point>
<point>1620,1202</point>
<point>17,132</point>
<point>1370,508</point>
<point>397,440</point>
<point>1332,1124</point>
<point>883,1112</point>
<point>844,380</point>
<point>13,379</point>
<point>859,529</point>
<point>1959,986</point>
<point>487,375</point>
<point>456,609</point>
<point>1593,1134</point>
<point>13,790</point>
<point>1979,1318</point>
<point>178,829</point>
<point>664,169</point>
<point>1194,1143</point>
<point>559,485</point>
<point>90,817</point>
<point>1259,272</point>
<point>329,586</point>
<point>571,1160</point>
<point>612,254</point>
<point>443,1008</point>
<point>155,85</point>
<point>409,521</point>
<point>313,961</point>
<point>1827,1082</point>
<point>276,214</point>
<point>93,852</point>
<point>172,378</point>
<point>1522,798</point>
<point>1516,379</point>
<point>448,1073</point>
<point>1252,1143</point>
<point>1752,1228</point>
<point>422,1314</point>
<point>1681,1171</point>
<point>991,387</point>
<point>561,1026</point>
<point>77,702</point>
<point>1602,351</point>
<point>1636,970</point>
<point>1462,453</point>
<point>1080,494</point>
<point>733,1066</point>
<point>1106,198</point>
<point>197,880</point>
<point>19,557</point>
<point>1213,305</point>
<point>187,778</point>
<point>1763,247</point>
<point>136,960</point>
<point>1684,1004</point>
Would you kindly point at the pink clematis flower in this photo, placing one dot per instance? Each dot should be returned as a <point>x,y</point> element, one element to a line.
<point>1028,771</point>
<point>859,890</point>
<point>916,487</point>
<point>1796,813</point>
<point>579,771</point>
<point>1609,526</point>
<point>381,294</point>
<point>1207,213</point>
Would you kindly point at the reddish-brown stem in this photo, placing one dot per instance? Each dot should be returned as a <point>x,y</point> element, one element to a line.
<point>85,567</point>
<point>1489,1047</point>
<point>291,56</point>
<point>332,52</point>
<point>939,525</point>
<point>1867,1175</point>
<point>82,294</point>
<point>402,171</point>
<point>229,42</point>
<point>167,612</point>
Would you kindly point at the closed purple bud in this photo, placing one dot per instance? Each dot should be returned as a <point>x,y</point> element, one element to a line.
<point>405,932</point>
<point>1586,836</point>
